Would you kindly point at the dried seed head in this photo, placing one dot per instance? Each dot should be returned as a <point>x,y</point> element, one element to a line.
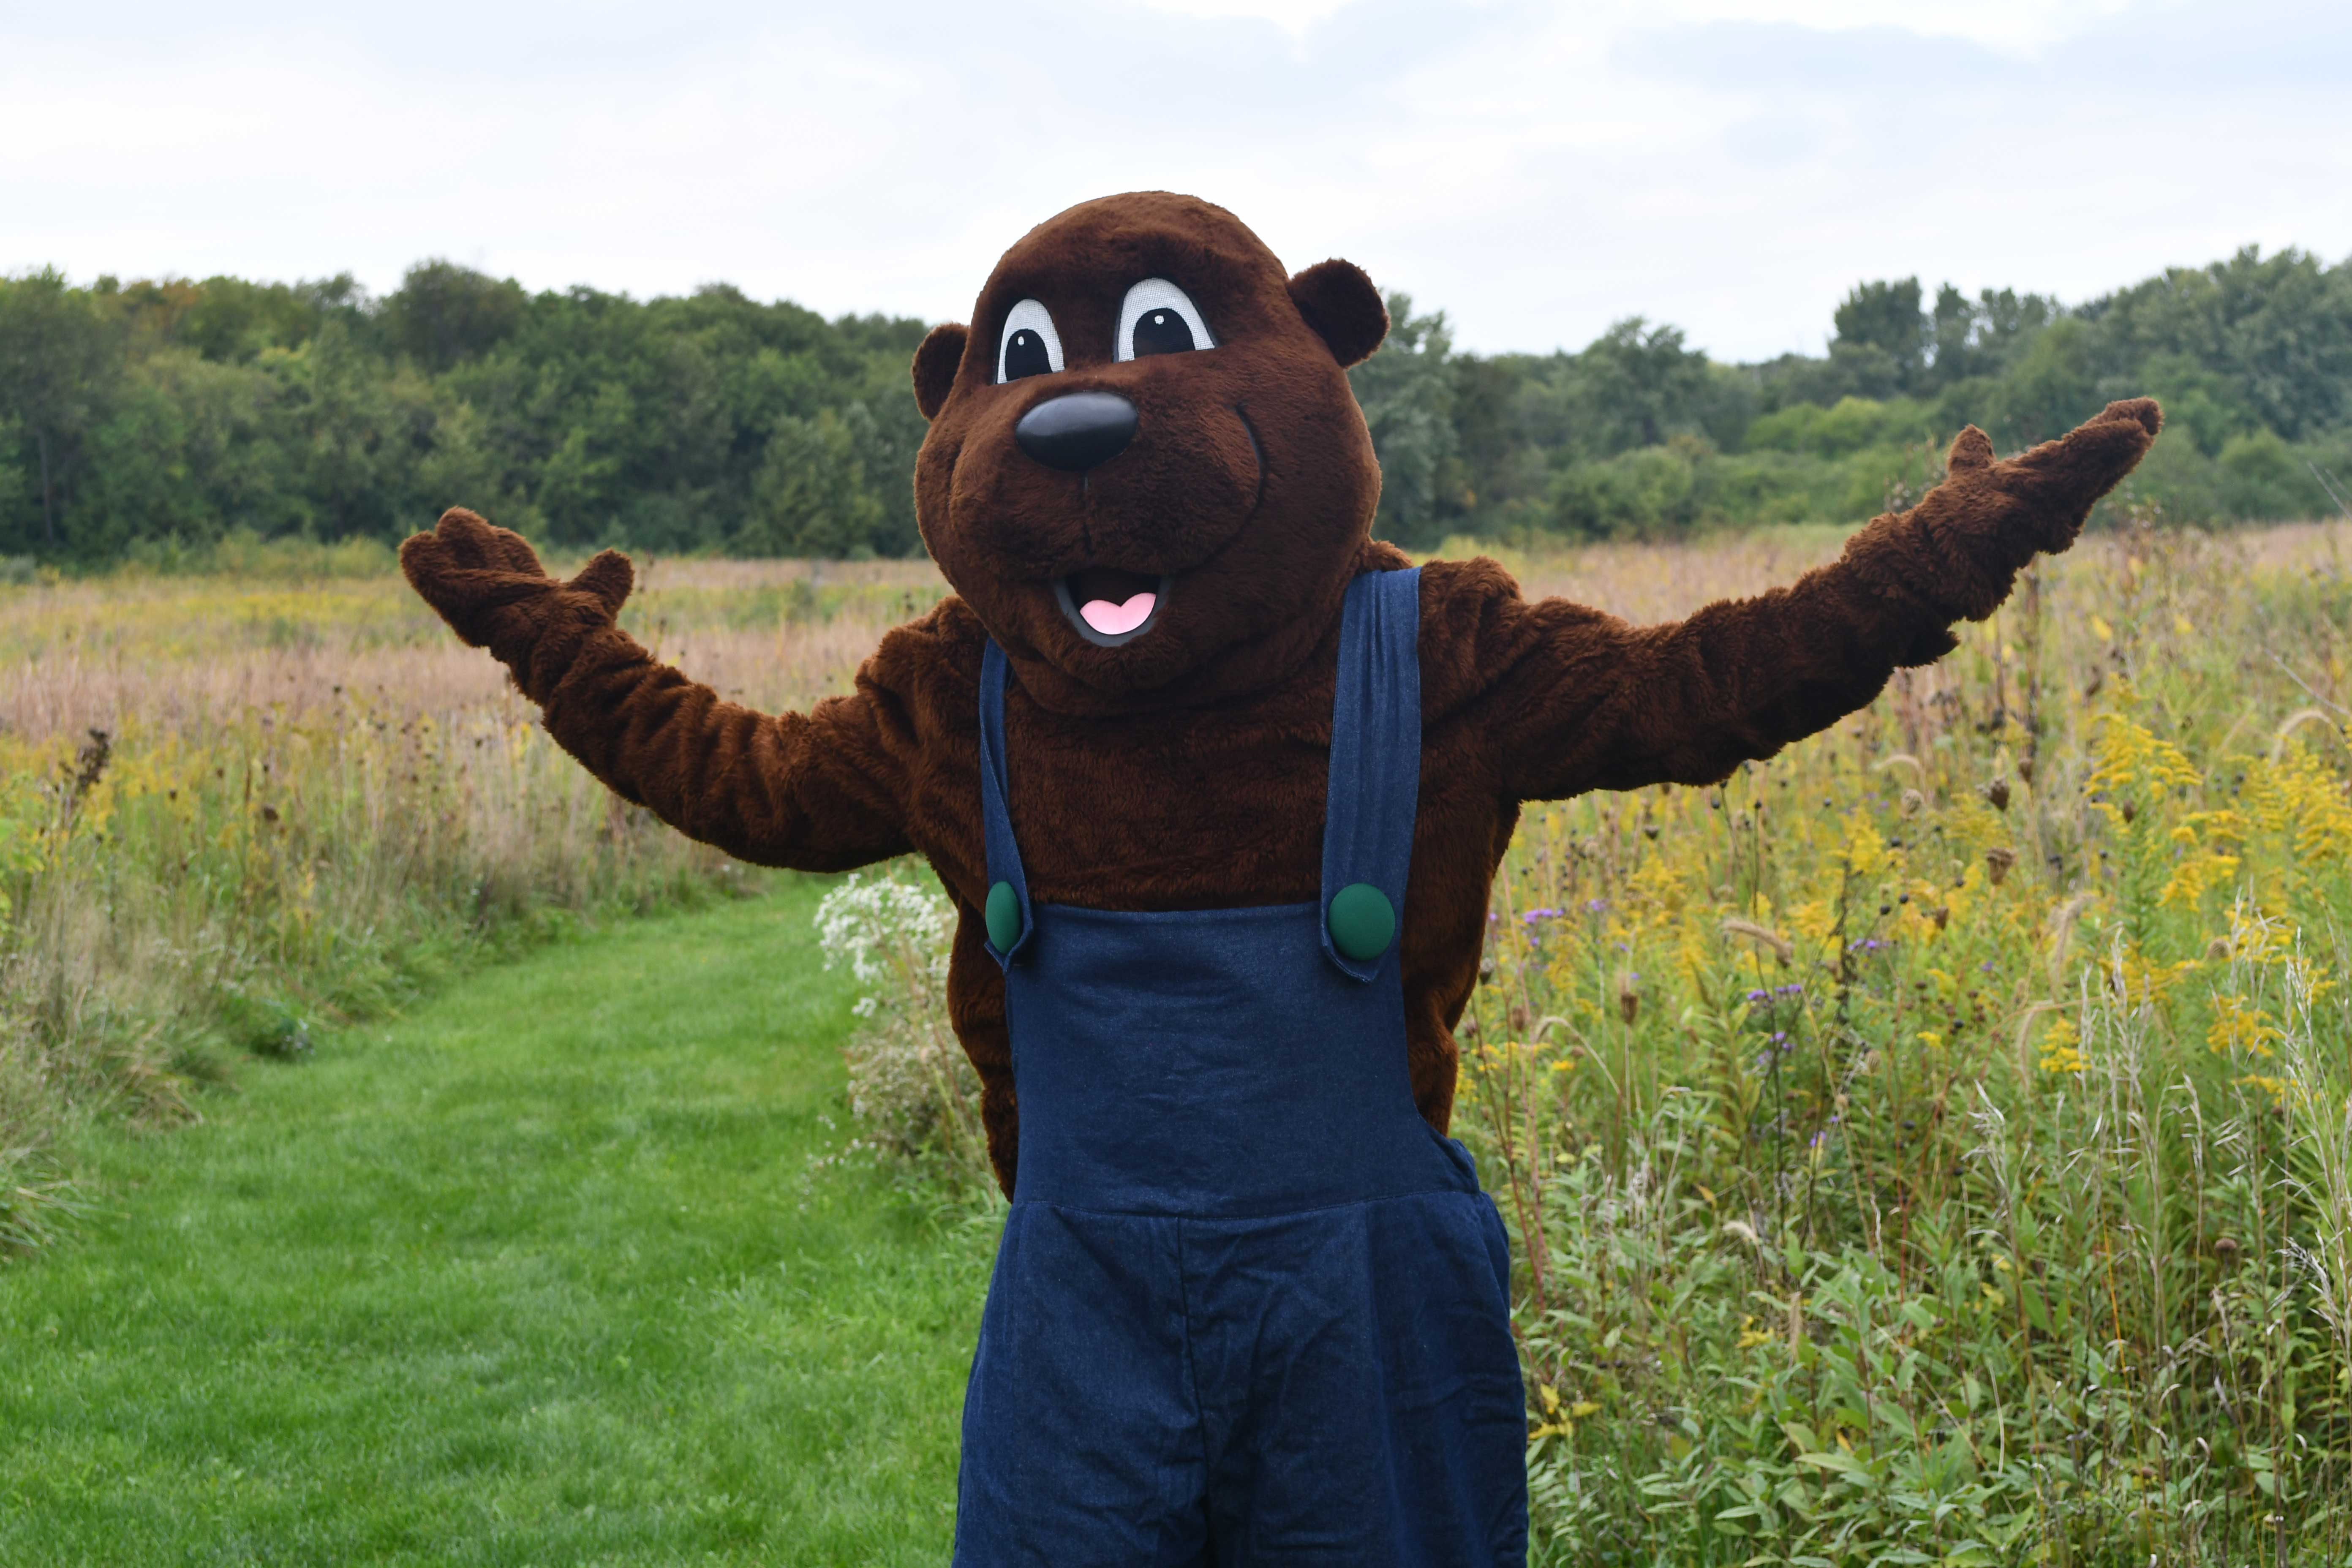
<point>1629,999</point>
<point>1912,803</point>
<point>1783,948</point>
<point>1997,861</point>
<point>1996,794</point>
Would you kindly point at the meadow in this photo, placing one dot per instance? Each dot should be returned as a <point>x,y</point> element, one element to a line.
<point>539,1272</point>
<point>241,806</point>
<point>1933,1145</point>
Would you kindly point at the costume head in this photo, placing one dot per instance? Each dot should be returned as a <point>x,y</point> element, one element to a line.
<point>1145,465</point>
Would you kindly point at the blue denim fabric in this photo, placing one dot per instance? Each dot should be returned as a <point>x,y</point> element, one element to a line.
<point>1249,1307</point>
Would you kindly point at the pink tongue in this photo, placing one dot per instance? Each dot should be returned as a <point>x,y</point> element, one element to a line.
<point>1112,619</point>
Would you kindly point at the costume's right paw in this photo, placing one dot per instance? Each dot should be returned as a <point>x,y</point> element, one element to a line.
<point>609,578</point>
<point>488,584</point>
<point>475,575</point>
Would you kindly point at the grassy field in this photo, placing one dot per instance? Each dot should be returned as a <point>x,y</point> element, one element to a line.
<point>1934,1145</point>
<point>240,808</point>
<point>538,1274</point>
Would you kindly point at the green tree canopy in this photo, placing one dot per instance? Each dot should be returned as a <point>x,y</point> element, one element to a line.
<point>160,413</point>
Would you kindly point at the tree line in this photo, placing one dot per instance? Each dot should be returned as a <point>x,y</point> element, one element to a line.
<point>1639,435</point>
<point>153,418</point>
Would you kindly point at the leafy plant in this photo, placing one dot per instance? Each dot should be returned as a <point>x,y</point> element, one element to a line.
<point>913,1089</point>
<point>1936,1143</point>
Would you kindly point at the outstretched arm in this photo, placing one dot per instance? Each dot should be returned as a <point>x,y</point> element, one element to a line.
<point>1578,701</point>
<point>819,792</point>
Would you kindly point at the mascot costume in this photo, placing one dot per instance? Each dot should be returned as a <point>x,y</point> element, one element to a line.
<point>1218,783</point>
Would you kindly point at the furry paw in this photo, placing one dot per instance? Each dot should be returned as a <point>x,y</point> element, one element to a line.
<point>2039,499</point>
<point>488,584</point>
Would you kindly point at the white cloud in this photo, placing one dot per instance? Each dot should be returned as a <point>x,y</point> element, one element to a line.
<point>2019,27</point>
<point>1293,17</point>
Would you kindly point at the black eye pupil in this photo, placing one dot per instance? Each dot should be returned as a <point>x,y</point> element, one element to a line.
<point>1162,333</point>
<point>1025,354</point>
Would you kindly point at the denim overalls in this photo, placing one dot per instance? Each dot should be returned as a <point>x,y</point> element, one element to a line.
<point>1249,1308</point>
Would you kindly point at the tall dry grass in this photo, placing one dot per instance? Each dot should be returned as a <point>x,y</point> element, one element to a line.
<point>236,808</point>
<point>1935,1144</point>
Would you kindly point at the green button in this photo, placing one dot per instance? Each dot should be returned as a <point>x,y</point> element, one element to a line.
<point>1364,921</point>
<point>1003,917</point>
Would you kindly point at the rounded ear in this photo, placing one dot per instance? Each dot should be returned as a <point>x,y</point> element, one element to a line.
<point>1340,303</point>
<point>935,367</point>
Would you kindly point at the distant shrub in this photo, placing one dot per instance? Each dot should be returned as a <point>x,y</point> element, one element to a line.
<point>241,552</point>
<point>1685,486</point>
<point>1847,426</point>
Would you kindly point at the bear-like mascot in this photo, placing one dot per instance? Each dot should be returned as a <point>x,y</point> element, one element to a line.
<point>1218,784</point>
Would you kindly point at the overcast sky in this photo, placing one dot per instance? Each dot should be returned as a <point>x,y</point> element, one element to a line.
<point>1731,166</point>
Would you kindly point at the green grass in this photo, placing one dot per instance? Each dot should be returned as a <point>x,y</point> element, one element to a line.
<point>537,1275</point>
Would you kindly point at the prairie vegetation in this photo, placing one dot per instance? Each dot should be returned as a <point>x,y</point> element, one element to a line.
<point>235,808</point>
<point>1935,1144</point>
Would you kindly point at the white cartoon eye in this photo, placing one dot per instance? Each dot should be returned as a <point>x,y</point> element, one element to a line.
<point>1157,318</point>
<point>1030,345</point>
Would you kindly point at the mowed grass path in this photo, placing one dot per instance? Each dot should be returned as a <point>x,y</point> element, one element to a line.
<point>535,1275</point>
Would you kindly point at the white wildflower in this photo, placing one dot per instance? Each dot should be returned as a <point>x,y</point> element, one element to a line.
<point>910,1085</point>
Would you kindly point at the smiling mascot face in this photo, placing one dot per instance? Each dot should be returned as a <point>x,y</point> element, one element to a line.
<point>1145,464</point>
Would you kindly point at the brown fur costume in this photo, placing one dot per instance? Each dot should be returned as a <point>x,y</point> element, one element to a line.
<point>1186,769</point>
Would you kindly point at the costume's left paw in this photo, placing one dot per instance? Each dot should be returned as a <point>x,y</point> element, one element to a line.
<point>2039,499</point>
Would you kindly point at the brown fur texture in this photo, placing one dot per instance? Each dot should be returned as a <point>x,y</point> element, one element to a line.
<point>1186,769</point>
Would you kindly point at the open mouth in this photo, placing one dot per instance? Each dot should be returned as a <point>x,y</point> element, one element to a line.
<point>1109,607</point>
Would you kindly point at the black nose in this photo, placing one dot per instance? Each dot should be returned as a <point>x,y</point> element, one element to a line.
<point>1078,431</point>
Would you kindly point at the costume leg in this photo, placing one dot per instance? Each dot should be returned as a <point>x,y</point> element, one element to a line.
<point>1081,1435</point>
<point>1359,1386</point>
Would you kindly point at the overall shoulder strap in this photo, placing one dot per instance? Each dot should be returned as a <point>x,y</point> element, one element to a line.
<point>1375,784</point>
<point>1007,913</point>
